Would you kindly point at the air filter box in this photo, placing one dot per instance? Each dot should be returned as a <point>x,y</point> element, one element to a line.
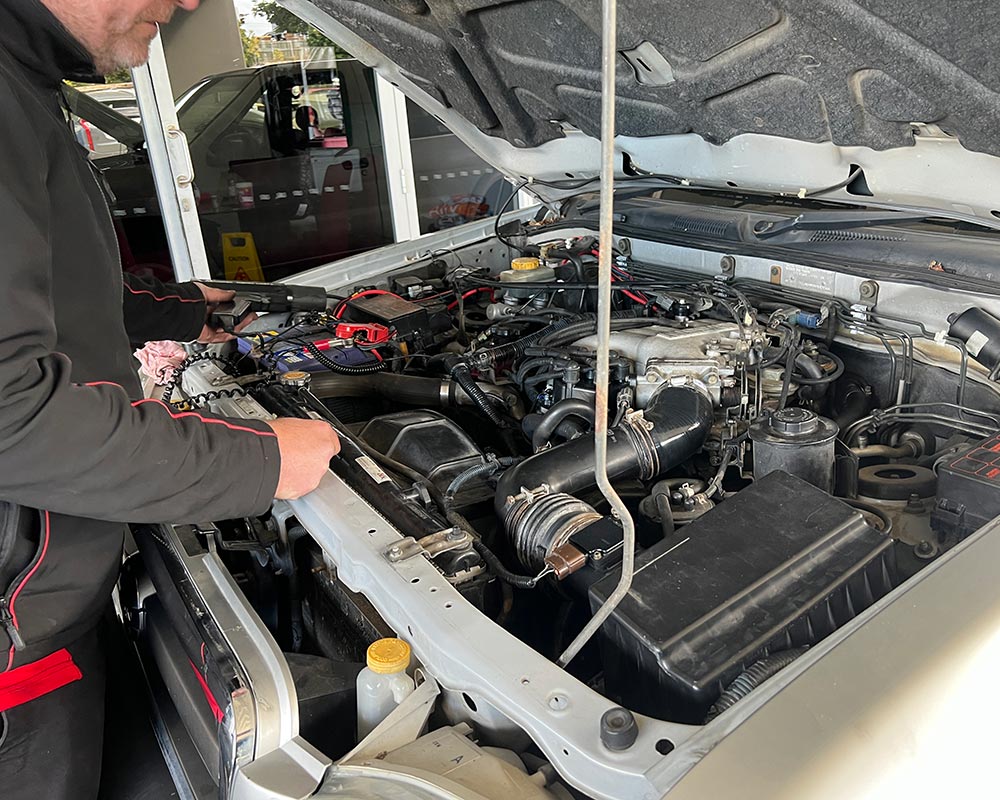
<point>781,564</point>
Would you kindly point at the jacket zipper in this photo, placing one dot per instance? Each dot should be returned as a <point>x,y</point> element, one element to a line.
<point>7,621</point>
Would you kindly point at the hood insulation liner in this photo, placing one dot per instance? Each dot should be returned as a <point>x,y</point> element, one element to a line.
<point>854,73</point>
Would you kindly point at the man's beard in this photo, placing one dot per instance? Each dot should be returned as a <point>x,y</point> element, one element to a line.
<point>129,50</point>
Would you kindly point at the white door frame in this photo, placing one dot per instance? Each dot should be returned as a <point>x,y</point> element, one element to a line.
<point>398,160</point>
<point>173,171</point>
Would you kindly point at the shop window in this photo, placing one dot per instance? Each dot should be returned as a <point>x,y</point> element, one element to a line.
<point>289,172</point>
<point>453,185</point>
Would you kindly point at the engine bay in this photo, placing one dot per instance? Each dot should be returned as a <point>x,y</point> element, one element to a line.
<point>788,457</point>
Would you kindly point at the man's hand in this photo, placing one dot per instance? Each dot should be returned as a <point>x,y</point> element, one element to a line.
<point>306,447</point>
<point>213,297</point>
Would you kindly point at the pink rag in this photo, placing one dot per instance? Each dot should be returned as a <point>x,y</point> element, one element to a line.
<point>160,360</point>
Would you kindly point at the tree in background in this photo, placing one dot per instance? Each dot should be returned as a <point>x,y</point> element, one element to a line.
<point>284,21</point>
<point>251,48</point>
<point>123,75</point>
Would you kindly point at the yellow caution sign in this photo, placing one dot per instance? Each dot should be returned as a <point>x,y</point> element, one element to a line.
<point>239,256</point>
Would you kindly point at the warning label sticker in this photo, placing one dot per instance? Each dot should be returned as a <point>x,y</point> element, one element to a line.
<point>373,469</point>
<point>983,461</point>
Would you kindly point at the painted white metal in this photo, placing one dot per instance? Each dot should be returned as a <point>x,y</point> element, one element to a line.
<point>173,172</point>
<point>398,160</point>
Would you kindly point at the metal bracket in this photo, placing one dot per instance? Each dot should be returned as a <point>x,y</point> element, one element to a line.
<point>868,293</point>
<point>430,546</point>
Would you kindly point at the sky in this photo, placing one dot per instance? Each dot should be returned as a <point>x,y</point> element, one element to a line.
<point>256,25</point>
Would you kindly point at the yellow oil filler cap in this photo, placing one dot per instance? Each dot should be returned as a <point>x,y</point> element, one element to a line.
<point>388,656</point>
<point>524,263</point>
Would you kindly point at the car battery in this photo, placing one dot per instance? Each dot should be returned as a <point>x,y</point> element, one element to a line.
<point>291,355</point>
<point>780,565</point>
<point>968,492</point>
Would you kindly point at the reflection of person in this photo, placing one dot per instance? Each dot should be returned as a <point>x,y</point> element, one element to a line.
<point>307,121</point>
<point>81,452</point>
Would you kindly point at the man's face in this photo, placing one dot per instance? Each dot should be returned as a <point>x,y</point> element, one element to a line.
<point>117,33</point>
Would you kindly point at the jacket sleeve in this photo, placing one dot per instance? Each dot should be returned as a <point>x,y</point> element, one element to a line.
<point>89,451</point>
<point>155,311</point>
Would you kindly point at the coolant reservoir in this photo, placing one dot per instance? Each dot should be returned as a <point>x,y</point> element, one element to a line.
<point>525,270</point>
<point>383,684</point>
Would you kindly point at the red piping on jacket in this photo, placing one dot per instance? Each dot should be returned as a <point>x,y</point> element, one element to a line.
<point>21,585</point>
<point>159,299</point>
<point>181,414</point>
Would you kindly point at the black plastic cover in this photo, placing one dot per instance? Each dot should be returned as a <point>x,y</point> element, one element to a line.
<point>968,494</point>
<point>394,312</point>
<point>782,564</point>
<point>431,444</point>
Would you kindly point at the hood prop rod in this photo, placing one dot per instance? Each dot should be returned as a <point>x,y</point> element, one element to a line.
<point>609,56</point>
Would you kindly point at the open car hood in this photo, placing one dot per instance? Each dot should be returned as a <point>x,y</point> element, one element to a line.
<point>781,96</point>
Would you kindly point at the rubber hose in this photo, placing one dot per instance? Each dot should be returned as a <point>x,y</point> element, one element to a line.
<point>620,321</point>
<point>666,514</point>
<point>571,406</point>
<point>504,574</point>
<point>680,418</point>
<point>412,389</point>
<point>514,350</point>
<point>478,471</point>
<point>343,369</point>
<point>786,381</point>
<point>751,678</point>
<point>463,377</point>
<point>856,404</point>
<point>811,370</point>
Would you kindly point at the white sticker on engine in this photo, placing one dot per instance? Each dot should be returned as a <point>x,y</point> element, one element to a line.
<point>373,469</point>
<point>977,342</point>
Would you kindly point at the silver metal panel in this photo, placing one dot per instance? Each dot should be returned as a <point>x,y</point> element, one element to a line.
<point>275,700</point>
<point>463,651</point>
<point>902,707</point>
<point>376,264</point>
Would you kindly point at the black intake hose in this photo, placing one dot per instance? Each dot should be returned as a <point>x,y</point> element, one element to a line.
<point>673,427</point>
<point>571,406</point>
<point>414,390</point>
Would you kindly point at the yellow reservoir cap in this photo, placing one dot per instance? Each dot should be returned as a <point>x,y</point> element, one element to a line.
<point>527,262</point>
<point>388,656</point>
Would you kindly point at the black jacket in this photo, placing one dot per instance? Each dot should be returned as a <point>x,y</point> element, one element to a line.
<point>80,451</point>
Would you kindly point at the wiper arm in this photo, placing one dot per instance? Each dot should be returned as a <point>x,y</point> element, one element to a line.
<point>834,220</point>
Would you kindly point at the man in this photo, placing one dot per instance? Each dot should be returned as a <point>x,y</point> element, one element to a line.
<point>81,452</point>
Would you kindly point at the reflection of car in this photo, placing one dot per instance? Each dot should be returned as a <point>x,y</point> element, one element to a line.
<point>801,368</point>
<point>307,192</point>
<point>91,135</point>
